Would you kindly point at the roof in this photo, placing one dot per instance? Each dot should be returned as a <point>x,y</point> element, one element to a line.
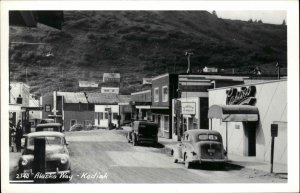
<point>203,131</point>
<point>45,133</point>
<point>73,97</point>
<point>102,98</point>
<point>49,125</point>
<point>124,98</point>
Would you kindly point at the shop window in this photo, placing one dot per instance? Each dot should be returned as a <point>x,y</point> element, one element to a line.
<point>115,116</point>
<point>105,115</point>
<point>47,108</point>
<point>165,93</point>
<point>156,94</point>
<point>101,115</point>
<point>166,123</point>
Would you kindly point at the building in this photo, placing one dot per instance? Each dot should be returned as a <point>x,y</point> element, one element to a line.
<point>210,69</point>
<point>114,90</point>
<point>112,77</point>
<point>164,89</point>
<point>147,81</point>
<point>70,108</point>
<point>88,84</point>
<point>141,101</point>
<point>35,112</point>
<point>243,115</point>
<point>109,108</point>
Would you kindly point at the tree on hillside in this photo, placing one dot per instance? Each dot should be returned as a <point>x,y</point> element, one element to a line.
<point>250,21</point>
<point>260,21</point>
<point>283,22</point>
<point>214,13</point>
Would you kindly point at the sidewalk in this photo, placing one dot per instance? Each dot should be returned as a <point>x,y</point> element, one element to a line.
<point>243,161</point>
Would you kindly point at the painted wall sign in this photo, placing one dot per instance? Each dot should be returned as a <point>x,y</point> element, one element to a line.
<point>243,96</point>
<point>188,108</point>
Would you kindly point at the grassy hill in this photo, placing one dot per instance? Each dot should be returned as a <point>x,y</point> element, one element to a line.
<point>139,44</point>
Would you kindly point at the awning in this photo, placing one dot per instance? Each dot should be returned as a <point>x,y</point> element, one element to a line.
<point>233,113</point>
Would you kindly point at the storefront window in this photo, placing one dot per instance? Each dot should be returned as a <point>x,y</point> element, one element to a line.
<point>156,94</point>
<point>165,94</point>
<point>115,116</point>
<point>166,123</point>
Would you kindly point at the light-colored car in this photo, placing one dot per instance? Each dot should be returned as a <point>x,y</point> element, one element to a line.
<point>57,155</point>
<point>200,146</point>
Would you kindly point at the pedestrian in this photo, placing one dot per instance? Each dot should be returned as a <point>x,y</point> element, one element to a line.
<point>11,136</point>
<point>19,135</point>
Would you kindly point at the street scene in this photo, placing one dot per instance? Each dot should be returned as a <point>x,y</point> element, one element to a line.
<point>150,97</point>
<point>103,156</point>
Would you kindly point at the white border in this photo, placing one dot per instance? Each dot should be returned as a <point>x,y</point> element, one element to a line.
<point>292,8</point>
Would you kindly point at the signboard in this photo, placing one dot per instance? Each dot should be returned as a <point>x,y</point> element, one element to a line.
<point>274,130</point>
<point>188,108</point>
<point>243,96</point>
<point>147,81</point>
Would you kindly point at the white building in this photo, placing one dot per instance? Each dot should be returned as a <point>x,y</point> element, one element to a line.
<point>114,90</point>
<point>244,114</point>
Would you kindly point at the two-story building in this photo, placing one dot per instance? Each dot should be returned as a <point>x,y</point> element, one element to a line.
<point>141,103</point>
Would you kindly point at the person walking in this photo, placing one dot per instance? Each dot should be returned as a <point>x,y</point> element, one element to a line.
<point>11,137</point>
<point>19,135</point>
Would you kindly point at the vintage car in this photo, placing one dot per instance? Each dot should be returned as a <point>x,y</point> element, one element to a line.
<point>200,146</point>
<point>49,127</point>
<point>47,121</point>
<point>143,132</point>
<point>57,158</point>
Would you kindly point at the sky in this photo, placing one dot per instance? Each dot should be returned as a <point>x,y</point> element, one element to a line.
<point>274,17</point>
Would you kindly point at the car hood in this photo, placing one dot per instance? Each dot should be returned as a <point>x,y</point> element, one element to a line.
<point>50,149</point>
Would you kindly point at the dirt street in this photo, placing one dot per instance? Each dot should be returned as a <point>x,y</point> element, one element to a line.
<point>104,156</point>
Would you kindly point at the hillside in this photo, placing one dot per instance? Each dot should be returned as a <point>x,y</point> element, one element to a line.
<point>139,44</point>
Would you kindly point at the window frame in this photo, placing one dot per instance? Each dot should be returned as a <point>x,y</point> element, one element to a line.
<point>163,94</point>
<point>156,96</point>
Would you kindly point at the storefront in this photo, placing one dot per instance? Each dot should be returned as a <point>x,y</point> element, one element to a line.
<point>192,112</point>
<point>244,114</point>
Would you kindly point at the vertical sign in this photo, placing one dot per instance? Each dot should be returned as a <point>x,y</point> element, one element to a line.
<point>274,133</point>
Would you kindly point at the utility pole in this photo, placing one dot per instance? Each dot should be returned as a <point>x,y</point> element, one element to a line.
<point>189,54</point>
<point>278,70</point>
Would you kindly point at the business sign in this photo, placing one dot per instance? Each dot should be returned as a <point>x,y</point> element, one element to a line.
<point>147,81</point>
<point>188,108</point>
<point>243,96</point>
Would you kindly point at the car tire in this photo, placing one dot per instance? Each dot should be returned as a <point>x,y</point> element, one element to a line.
<point>187,164</point>
<point>175,160</point>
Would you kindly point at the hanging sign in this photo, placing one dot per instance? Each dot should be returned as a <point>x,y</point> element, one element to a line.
<point>188,108</point>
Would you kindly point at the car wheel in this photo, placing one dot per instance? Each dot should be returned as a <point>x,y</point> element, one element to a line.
<point>187,164</point>
<point>175,160</point>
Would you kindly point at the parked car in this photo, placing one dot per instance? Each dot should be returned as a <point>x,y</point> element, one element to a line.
<point>49,127</point>
<point>143,132</point>
<point>57,155</point>
<point>47,121</point>
<point>200,146</point>
<point>76,127</point>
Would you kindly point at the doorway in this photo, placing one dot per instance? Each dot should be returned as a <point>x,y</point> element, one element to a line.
<point>250,138</point>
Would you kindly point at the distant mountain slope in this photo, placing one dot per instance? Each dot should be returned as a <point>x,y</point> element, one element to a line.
<point>139,44</point>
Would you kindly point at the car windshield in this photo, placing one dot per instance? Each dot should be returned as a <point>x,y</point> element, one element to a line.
<point>47,129</point>
<point>205,137</point>
<point>50,140</point>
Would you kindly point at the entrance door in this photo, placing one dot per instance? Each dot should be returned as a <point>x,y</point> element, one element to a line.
<point>250,142</point>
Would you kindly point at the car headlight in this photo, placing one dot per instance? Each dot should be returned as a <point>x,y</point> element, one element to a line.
<point>24,162</point>
<point>63,160</point>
